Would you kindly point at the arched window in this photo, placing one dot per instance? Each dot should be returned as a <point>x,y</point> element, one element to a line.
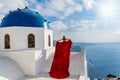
<point>31,41</point>
<point>7,41</point>
<point>49,41</point>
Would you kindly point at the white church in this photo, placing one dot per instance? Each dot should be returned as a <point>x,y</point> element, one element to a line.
<point>27,51</point>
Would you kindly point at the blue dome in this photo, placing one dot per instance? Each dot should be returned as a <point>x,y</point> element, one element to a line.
<point>23,17</point>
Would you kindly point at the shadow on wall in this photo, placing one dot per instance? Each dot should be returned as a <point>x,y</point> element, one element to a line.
<point>41,61</point>
<point>9,69</point>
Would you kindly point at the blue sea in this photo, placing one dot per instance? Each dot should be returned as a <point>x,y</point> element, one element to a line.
<point>105,57</point>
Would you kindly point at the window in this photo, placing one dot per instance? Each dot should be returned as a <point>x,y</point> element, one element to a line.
<point>7,41</point>
<point>49,41</point>
<point>31,41</point>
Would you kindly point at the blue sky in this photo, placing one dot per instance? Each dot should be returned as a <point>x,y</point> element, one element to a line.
<point>79,20</point>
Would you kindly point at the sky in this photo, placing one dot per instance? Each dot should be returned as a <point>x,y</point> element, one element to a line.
<point>80,20</point>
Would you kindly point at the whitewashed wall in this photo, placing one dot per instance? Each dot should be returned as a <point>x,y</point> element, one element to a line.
<point>32,62</point>
<point>19,37</point>
<point>44,60</point>
<point>35,62</point>
<point>46,33</point>
<point>10,70</point>
<point>78,65</point>
<point>48,60</point>
<point>25,59</point>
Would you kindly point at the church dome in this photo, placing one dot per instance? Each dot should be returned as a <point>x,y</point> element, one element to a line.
<point>23,18</point>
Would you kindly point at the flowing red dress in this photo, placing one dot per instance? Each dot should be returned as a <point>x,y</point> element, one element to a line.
<point>60,64</point>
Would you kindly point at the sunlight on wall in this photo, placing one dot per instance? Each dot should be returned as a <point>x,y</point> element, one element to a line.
<point>3,78</point>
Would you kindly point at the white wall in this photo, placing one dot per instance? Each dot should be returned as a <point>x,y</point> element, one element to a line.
<point>48,60</point>
<point>25,59</point>
<point>39,61</point>
<point>34,62</point>
<point>10,70</point>
<point>46,33</point>
<point>19,37</point>
<point>84,78</point>
<point>78,63</point>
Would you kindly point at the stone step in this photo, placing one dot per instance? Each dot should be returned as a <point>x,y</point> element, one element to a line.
<point>47,77</point>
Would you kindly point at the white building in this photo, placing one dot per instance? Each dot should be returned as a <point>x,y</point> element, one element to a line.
<point>26,49</point>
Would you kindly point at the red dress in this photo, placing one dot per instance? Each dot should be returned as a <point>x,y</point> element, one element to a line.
<point>60,64</point>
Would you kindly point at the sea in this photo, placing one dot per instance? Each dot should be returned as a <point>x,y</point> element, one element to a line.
<point>105,58</point>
